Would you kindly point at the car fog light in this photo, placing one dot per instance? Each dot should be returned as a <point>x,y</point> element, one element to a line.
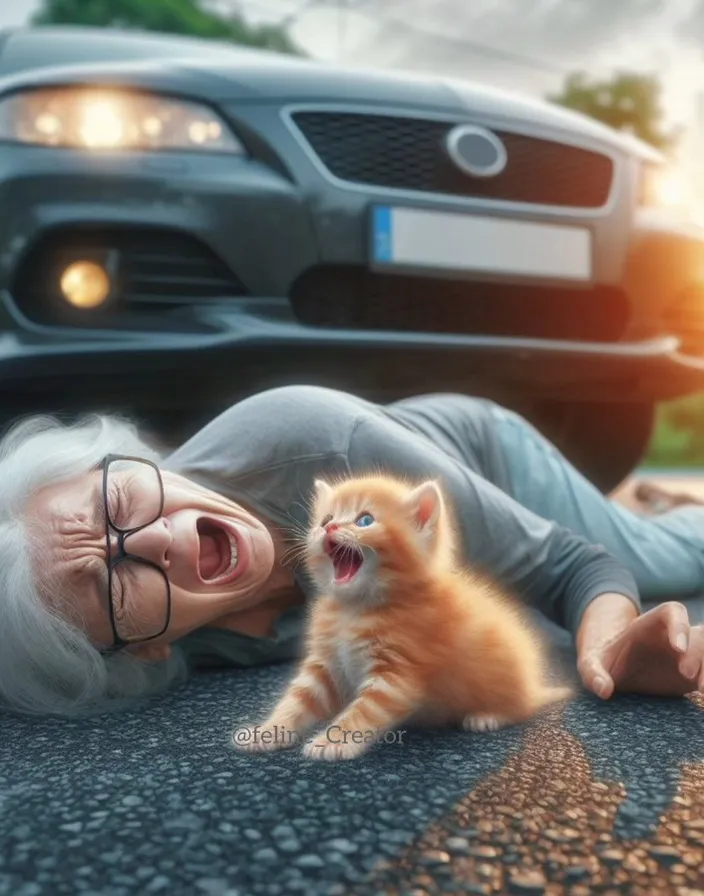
<point>85,284</point>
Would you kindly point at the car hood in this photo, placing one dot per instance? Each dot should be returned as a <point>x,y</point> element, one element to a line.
<point>229,75</point>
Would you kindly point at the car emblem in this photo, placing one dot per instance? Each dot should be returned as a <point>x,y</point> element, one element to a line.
<point>476,151</point>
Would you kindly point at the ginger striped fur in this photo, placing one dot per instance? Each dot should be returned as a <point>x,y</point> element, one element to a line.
<point>400,633</point>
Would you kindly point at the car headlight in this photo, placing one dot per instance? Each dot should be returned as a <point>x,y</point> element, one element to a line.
<point>663,187</point>
<point>100,119</point>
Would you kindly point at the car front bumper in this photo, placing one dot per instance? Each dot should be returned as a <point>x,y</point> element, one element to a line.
<point>272,223</point>
<point>241,343</point>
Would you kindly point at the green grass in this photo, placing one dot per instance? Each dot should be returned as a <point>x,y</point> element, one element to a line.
<point>678,440</point>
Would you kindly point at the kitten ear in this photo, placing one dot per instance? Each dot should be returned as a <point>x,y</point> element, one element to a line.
<point>322,489</point>
<point>426,504</point>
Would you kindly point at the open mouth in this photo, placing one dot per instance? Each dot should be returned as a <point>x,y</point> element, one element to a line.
<point>219,552</point>
<point>347,560</point>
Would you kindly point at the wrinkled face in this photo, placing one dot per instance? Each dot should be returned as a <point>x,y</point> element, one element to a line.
<point>215,554</point>
<point>363,535</point>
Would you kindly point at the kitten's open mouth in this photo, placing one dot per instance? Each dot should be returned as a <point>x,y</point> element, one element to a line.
<point>346,560</point>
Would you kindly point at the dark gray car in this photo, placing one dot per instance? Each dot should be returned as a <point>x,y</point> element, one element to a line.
<point>184,223</point>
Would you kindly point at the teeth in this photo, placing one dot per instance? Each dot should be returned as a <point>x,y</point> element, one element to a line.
<point>234,557</point>
<point>234,553</point>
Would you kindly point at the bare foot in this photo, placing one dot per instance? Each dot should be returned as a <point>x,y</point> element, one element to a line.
<point>656,499</point>
<point>650,497</point>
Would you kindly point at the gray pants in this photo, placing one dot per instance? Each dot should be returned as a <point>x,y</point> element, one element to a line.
<point>665,552</point>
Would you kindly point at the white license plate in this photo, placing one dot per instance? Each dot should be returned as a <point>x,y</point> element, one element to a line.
<point>416,238</point>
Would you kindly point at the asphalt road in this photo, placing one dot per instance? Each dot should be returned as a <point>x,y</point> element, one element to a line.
<point>593,798</point>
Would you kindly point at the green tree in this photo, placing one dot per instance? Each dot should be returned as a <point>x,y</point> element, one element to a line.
<point>628,102</point>
<point>678,440</point>
<point>187,17</point>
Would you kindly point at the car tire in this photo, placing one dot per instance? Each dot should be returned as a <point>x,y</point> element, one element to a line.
<point>604,441</point>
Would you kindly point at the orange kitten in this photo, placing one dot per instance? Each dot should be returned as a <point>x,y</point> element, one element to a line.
<point>401,634</point>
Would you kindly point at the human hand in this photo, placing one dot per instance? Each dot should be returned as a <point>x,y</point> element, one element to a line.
<point>658,653</point>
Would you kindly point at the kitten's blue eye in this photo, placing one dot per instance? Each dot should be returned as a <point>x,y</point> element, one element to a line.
<point>366,519</point>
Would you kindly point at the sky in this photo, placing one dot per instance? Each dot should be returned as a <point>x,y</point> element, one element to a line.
<point>524,45</point>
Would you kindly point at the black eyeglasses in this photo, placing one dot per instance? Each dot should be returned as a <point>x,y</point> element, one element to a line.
<point>139,593</point>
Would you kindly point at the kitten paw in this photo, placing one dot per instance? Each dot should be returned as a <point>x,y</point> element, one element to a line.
<point>323,748</point>
<point>482,722</point>
<point>262,738</point>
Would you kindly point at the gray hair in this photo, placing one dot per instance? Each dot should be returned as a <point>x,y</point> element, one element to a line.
<point>47,664</point>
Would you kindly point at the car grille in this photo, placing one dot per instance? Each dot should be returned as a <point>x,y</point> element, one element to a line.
<point>155,270</point>
<point>408,154</point>
<point>355,298</point>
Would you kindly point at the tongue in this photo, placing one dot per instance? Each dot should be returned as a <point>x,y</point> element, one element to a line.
<point>209,559</point>
<point>214,551</point>
<point>346,566</point>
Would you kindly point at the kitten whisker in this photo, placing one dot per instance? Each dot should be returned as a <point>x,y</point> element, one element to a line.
<point>295,553</point>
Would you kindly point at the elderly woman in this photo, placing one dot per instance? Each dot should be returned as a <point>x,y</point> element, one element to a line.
<point>120,569</point>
